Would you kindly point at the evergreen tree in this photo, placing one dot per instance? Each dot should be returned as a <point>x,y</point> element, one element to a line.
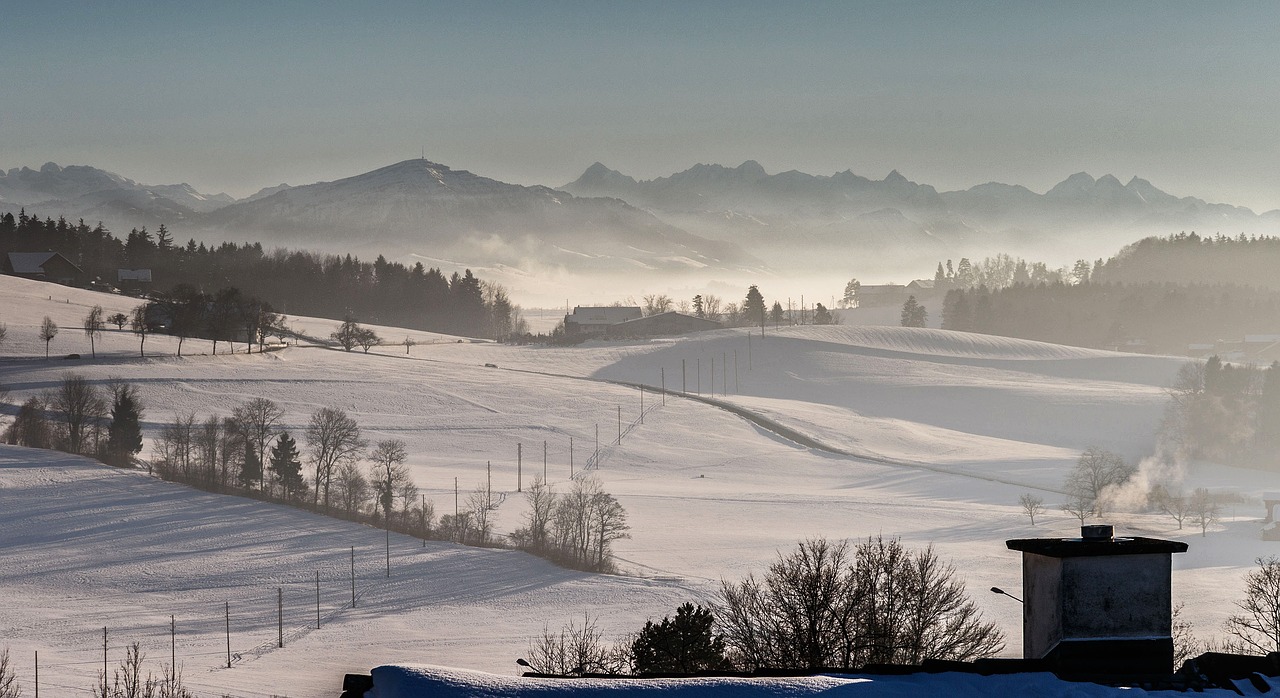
<point>776,313</point>
<point>682,645</point>
<point>822,316</point>
<point>250,469</point>
<point>286,467</point>
<point>698,308</point>
<point>753,308</point>
<point>124,436</point>
<point>913,314</point>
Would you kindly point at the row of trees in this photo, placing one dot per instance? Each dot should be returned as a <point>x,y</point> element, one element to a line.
<point>752,311</point>
<point>293,281</point>
<point>1164,317</point>
<point>79,417</point>
<point>576,529</point>
<point>1101,480</point>
<point>1225,413</point>
<point>826,605</point>
<point>336,471</point>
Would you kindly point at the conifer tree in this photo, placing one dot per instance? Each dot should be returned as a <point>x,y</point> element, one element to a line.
<point>685,644</point>
<point>124,436</point>
<point>286,466</point>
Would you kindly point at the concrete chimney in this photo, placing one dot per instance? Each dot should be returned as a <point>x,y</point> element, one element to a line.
<point>1098,604</point>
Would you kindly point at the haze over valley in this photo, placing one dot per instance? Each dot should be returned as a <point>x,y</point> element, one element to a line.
<point>435,343</point>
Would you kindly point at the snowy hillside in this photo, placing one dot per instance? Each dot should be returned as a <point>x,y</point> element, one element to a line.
<point>925,434</point>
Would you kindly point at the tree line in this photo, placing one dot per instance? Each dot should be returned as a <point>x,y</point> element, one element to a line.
<point>1162,316</point>
<point>824,606</point>
<point>292,281</point>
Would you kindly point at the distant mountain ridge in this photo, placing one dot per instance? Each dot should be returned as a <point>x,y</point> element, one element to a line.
<point>702,221</point>
<point>416,207</point>
<point>80,191</point>
<point>848,211</point>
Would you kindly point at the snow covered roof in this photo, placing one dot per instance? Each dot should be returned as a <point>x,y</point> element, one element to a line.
<point>29,262</point>
<point>439,682</point>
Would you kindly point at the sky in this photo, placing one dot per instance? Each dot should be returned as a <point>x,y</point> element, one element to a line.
<point>236,96</point>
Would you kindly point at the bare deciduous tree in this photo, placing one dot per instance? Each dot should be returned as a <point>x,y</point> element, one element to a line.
<point>480,514</point>
<point>48,330</point>
<point>822,606</point>
<point>93,326</point>
<point>30,427</point>
<point>367,339</point>
<point>1256,629</point>
<point>350,486</point>
<point>1096,470</point>
<point>1031,505</point>
<point>77,410</point>
<point>9,686</point>
<point>1078,506</point>
<point>257,419</point>
<point>1204,509</point>
<point>1185,644</point>
<point>389,473</point>
<point>1175,504</point>
<point>576,650</point>
<point>333,438</point>
<point>141,326</point>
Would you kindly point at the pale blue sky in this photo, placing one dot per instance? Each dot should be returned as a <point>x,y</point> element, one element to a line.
<point>235,96</point>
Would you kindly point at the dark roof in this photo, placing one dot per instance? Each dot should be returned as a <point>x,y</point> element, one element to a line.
<point>1079,547</point>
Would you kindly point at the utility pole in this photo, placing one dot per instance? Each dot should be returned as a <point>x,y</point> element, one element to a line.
<point>749,349</point>
<point>724,374</point>
<point>173,644</point>
<point>422,513</point>
<point>353,572</point>
<point>570,457</point>
<point>280,616</point>
<point>713,376</point>
<point>684,379</point>
<point>544,462</point>
<point>488,470</point>
<point>597,445</point>
<point>664,386</point>
<point>642,404</point>
<point>699,367</point>
<point>104,657</point>
<point>227,612</point>
<point>619,425</point>
<point>317,599</point>
<point>388,542</point>
<point>455,505</point>
<point>737,388</point>
<point>519,467</point>
<point>37,673</point>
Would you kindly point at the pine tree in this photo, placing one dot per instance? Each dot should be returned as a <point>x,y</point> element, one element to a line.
<point>913,314</point>
<point>753,308</point>
<point>285,465</point>
<point>250,469</point>
<point>684,645</point>
<point>124,436</point>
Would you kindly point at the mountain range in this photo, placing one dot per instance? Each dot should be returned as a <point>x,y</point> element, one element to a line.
<point>707,219</point>
<point>796,216</point>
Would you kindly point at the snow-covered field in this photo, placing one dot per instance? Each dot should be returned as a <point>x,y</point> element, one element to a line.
<point>923,434</point>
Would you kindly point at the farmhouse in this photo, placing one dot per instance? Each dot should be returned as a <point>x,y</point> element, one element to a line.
<point>667,323</point>
<point>593,321</point>
<point>44,266</point>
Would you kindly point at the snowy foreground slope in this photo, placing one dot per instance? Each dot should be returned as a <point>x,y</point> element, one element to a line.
<point>924,434</point>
